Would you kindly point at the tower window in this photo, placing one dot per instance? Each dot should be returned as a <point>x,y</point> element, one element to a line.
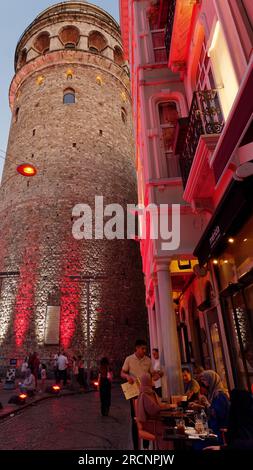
<point>16,114</point>
<point>124,115</point>
<point>93,49</point>
<point>70,45</point>
<point>69,36</point>
<point>42,43</point>
<point>96,41</point>
<point>22,58</point>
<point>118,56</point>
<point>69,96</point>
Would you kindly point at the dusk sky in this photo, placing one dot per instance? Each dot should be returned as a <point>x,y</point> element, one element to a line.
<point>16,16</point>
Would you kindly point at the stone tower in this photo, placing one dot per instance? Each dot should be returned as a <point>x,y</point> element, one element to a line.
<point>71,119</point>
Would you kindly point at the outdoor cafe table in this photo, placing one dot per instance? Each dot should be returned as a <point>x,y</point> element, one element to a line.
<point>185,441</point>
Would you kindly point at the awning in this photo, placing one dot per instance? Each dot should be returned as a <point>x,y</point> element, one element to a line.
<point>232,212</point>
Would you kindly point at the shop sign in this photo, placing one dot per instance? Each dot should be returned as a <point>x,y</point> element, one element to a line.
<point>216,234</point>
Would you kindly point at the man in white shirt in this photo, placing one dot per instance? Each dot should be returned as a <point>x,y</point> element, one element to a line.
<point>133,368</point>
<point>62,365</point>
<point>157,368</point>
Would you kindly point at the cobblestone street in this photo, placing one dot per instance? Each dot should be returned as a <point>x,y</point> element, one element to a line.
<point>69,423</point>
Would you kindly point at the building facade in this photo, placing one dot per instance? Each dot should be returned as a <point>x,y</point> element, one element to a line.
<point>192,82</point>
<point>71,119</point>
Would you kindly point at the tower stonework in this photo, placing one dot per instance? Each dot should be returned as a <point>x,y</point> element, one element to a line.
<point>71,119</point>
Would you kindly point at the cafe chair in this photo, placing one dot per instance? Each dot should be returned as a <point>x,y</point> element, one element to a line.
<point>145,435</point>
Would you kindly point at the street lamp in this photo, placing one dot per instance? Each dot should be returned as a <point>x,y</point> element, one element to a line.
<point>26,169</point>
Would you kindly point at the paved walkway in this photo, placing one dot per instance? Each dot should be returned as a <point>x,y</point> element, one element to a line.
<point>69,423</point>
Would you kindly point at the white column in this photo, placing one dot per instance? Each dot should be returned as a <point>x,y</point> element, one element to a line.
<point>154,319</point>
<point>169,330</point>
<point>159,327</point>
<point>151,327</point>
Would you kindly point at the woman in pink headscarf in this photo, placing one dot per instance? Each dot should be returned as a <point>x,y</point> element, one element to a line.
<point>148,409</point>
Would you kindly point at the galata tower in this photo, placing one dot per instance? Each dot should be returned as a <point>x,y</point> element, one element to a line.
<point>71,119</point>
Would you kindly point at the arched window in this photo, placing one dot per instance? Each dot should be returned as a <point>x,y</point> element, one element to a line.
<point>124,115</point>
<point>42,43</point>
<point>69,36</point>
<point>168,117</point>
<point>96,41</point>
<point>118,56</point>
<point>69,96</point>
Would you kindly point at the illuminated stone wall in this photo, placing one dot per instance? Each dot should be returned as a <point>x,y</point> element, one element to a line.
<point>80,150</point>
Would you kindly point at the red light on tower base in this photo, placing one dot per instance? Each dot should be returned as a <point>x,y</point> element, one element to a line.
<point>27,170</point>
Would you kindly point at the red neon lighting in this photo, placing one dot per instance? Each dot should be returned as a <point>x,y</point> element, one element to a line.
<point>70,293</point>
<point>24,306</point>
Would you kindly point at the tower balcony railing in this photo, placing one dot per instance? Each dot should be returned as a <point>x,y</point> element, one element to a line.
<point>169,26</point>
<point>205,118</point>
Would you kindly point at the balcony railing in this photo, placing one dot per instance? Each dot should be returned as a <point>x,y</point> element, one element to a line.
<point>169,26</point>
<point>205,118</point>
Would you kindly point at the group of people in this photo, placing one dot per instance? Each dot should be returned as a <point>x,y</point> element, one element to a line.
<point>31,369</point>
<point>204,392</point>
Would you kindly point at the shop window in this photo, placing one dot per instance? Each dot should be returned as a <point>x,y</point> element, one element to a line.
<point>168,117</point>
<point>42,43</point>
<point>69,96</point>
<point>69,36</point>
<point>196,332</point>
<point>118,56</point>
<point>96,42</point>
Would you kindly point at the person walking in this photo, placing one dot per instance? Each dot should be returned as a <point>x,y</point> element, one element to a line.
<point>105,385</point>
<point>133,368</point>
<point>62,363</point>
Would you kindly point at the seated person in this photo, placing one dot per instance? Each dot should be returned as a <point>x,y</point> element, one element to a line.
<point>28,385</point>
<point>240,422</point>
<point>214,398</point>
<point>191,386</point>
<point>148,408</point>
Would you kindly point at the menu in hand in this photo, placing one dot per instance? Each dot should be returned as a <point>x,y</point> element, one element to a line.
<point>130,390</point>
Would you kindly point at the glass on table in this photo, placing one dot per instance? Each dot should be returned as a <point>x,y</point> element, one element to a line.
<point>180,424</point>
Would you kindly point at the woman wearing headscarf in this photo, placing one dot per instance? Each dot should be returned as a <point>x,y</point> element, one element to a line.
<point>218,401</point>
<point>148,408</point>
<point>240,423</point>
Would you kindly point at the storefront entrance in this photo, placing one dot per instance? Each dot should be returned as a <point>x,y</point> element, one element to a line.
<point>238,318</point>
<point>215,344</point>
